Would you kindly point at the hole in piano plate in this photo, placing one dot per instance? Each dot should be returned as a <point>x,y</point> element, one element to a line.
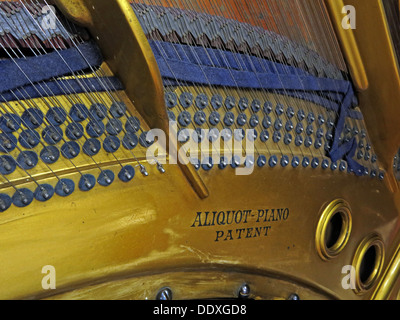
<point>334,230</point>
<point>368,264</point>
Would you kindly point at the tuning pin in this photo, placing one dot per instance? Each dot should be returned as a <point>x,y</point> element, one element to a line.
<point>143,170</point>
<point>160,167</point>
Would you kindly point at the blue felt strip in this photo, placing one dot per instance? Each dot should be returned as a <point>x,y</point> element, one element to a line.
<point>206,66</point>
<point>24,71</point>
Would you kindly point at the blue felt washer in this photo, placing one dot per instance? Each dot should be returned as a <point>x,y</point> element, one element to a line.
<point>78,112</point>
<point>132,124</point>
<point>289,126</point>
<point>288,139</point>
<point>27,160</point>
<point>226,134</point>
<point>310,117</point>
<point>279,110</point>
<point>65,187</point>
<point>264,136</point>
<point>199,118</point>
<point>52,134</point>
<point>201,101</point>
<point>127,173</point>
<point>306,162</point>
<point>267,109</point>
<point>214,118</point>
<point>325,164</point>
<point>241,119</point>
<point>317,143</point>
<point>8,142</point>
<point>213,134</point>
<point>171,115</point>
<point>310,130</point>
<point>44,192</point>
<point>301,115</point>
<point>223,163</point>
<point>186,99</point>
<point>50,154</point>
<point>22,197</point>
<point>290,112</point>
<point>106,177</point>
<point>229,119</point>
<point>130,141</point>
<point>10,122</point>
<point>171,99</point>
<point>267,122</point>
<point>184,118</point>
<point>299,128</point>
<point>7,164</point>
<point>32,118</point>
<point>86,182</point>
<point>256,105</point>
<point>277,136</point>
<point>252,135</point>
<point>95,128</point>
<point>273,161</point>
<point>70,150</point>
<point>146,139</point>
<point>29,139</point>
<point>308,142</point>
<point>111,144</point>
<point>315,163</point>
<point>261,161</point>
<point>98,111</point>
<point>56,116</point>
<point>284,161</point>
<point>216,101</point>
<point>91,147</point>
<point>5,202</point>
<point>183,135</point>
<point>254,121</point>
<point>117,109</point>
<point>235,161</point>
<point>230,102</point>
<point>196,163</point>
<point>298,141</point>
<point>114,127</point>
<point>320,133</point>
<point>74,131</point>
<point>278,124</point>
<point>249,162</point>
<point>342,166</point>
<point>243,103</point>
<point>207,164</point>
<point>295,162</point>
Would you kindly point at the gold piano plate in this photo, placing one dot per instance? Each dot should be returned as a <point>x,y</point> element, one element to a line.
<point>122,224</point>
